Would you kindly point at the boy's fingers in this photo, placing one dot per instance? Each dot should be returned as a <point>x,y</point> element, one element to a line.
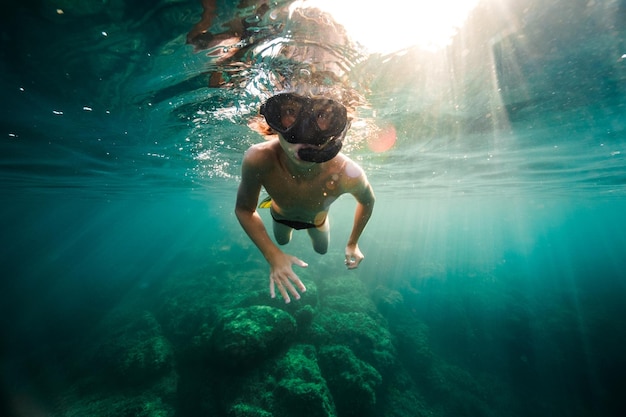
<point>300,263</point>
<point>272,288</point>
<point>296,280</point>
<point>287,283</point>
<point>292,290</point>
<point>283,292</point>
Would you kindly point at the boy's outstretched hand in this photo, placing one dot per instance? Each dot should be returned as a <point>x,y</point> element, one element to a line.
<point>283,277</point>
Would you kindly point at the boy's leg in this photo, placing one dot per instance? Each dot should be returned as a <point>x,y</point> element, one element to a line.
<point>320,236</point>
<point>282,233</point>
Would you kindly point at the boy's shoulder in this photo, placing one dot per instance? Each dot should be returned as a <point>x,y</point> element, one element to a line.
<point>349,167</point>
<point>268,145</point>
<point>262,152</point>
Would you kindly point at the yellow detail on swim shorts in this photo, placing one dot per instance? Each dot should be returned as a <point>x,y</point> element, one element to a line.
<point>266,203</point>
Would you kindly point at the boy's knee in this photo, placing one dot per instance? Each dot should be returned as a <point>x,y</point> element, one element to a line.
<point>320,241</point>
<point>321,249</point>
<point>282,240</point>
<point>282,234</point>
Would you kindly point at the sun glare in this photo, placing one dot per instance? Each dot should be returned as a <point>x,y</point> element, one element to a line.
<point>392,25</point>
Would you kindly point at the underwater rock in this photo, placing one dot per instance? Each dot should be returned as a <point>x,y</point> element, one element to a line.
<point>245,336</point>
<point>246,410</point>
<point>303,310</point>
<point>261,297</point>
<point>402,397</point>
<point>304,316</point>
<point>413,344</point>
<point>144,405</point>
<point>388,301</point>
<point>186,307</point>
<point>301,389</point>
<point>443,385</point>
<point>290,384</point>
<point>345,294</point>
<point>347,316</point>
<point>127,370</point>
<point>369,339</point>
<point>133,349</point>
<point>352,382</point>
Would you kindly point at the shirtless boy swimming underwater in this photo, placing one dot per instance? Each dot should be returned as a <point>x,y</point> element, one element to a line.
<point>304,173</point>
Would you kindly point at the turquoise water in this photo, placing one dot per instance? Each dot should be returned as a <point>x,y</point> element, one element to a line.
<point>493,282</point>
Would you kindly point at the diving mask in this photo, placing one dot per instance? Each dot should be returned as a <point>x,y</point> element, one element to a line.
<point>319,122</point>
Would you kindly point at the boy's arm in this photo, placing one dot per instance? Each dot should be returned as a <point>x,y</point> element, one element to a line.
<point>364,195</point>
<point>245,207</point>
<point>281,273</point>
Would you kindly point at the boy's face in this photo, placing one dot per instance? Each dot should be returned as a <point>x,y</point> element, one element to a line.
<point>310,129</point>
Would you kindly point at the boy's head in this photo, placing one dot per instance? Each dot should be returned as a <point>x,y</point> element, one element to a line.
<point>319,124</point>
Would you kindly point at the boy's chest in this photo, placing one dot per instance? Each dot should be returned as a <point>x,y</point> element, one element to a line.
<point>287,189</point>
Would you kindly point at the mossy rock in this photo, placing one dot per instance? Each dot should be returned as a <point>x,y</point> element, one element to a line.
<point>245,336</point>
<point>144,405</point>
<point>367,338</point>
<point>389,302</point>
<point>405,401</point>
<point>302,310</point>
<point>345,293</point>
<point>287,385</point>
<point>352,382</point>
<point>185,309</point>
<point>262,297</point>
<point>133,350</point>
<point>301,389</point>
<point>413,343</point>
<point>247,410</point>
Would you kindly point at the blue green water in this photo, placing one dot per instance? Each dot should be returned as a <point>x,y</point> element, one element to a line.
<point>493,282</point>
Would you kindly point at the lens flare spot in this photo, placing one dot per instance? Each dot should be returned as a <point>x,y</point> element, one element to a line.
<point>384,140</point>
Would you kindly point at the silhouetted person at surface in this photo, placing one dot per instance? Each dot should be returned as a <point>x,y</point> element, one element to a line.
<point>200,37</point>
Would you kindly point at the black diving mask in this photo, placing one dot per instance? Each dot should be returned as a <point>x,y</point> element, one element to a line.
<point>319,122</point>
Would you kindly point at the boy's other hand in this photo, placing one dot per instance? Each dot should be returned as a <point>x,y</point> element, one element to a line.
<point>353,256</point>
